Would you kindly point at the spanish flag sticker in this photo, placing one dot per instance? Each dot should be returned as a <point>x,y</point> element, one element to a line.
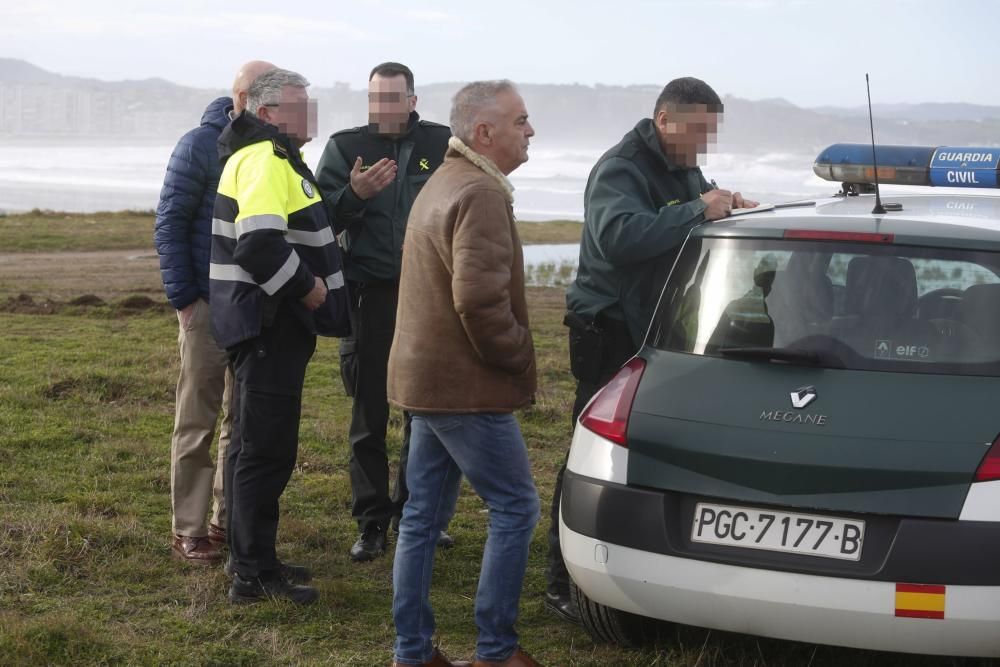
<point>919,601</point>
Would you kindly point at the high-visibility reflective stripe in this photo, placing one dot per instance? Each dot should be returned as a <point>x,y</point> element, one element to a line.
<point>313,239</point>
<point>335,281</point>
<point>282,275</point>
<point>234,272</point>
<point>229,230</point>
<point>231,272</point>
<point>223,228</point>
<point>252,223</point>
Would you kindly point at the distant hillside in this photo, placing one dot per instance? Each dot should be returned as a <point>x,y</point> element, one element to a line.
<point>20,72</point>
<point>41,104</point>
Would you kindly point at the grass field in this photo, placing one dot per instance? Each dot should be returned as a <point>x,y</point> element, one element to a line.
<point>87,372</point>
<point>52,231</point>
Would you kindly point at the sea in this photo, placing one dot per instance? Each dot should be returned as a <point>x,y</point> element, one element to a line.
<point>83,177</point>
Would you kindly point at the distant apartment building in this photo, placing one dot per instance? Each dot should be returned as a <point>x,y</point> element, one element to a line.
<point>28,109</point>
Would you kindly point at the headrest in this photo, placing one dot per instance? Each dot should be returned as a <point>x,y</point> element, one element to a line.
<point>803,289</point>
<point>881,288</point>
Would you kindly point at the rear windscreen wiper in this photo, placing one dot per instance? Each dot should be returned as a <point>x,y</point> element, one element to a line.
<point>783,354</point>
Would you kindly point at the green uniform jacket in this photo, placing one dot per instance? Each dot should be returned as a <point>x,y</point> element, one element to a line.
<point>374,229</point>
<point>638,209</point>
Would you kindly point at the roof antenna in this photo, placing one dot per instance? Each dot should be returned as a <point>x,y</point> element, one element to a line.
<point>879,209</point>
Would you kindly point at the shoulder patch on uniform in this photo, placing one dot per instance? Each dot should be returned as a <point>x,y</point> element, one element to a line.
<point>279,150</point>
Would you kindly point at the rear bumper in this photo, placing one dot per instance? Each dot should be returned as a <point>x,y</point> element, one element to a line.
<point>926,551</point>
<point>785,605</point>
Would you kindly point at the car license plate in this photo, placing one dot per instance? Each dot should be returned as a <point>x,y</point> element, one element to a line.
<point>770,530</point>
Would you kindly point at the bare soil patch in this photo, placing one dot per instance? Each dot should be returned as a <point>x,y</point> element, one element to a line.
<point>62,276</point>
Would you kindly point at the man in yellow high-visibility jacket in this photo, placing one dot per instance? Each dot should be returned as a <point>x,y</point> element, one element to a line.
<point>275,282</point>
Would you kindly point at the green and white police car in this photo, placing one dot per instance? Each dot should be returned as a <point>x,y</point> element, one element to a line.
<point>806,446</point>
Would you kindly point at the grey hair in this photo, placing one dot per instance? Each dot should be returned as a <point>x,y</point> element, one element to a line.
<point>266,88</point>
<point>469,103</point>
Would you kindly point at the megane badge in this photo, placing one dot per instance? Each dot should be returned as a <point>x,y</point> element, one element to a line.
<point>803,396</point>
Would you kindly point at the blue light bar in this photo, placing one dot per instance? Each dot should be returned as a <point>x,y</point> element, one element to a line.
<point>910,165</point>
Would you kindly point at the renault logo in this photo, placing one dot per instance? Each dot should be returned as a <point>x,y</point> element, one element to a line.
<point>803,396</point>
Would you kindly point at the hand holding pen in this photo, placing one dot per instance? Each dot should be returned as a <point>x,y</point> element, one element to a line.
<point>737,200</point>
<point>718,202</point>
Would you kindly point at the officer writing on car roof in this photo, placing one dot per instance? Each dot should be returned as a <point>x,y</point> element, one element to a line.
<point>642,198</point>
<point>371,175</point>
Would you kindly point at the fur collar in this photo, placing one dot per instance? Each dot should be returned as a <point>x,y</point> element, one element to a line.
<point>483,163</point>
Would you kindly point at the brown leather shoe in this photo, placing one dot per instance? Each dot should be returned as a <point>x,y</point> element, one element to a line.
<point>195,550</point>
<point>437,661</point>
<point>519,659</point>
<point>216,535</point>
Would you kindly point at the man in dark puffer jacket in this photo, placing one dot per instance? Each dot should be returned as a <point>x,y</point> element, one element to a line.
<point>183,237</point>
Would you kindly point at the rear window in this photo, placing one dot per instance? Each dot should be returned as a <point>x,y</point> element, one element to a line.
<point>840,305</point>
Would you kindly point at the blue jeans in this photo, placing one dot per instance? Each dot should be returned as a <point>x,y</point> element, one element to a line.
<point>489,450</point>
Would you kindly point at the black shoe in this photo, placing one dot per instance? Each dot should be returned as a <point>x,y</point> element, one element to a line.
<point>295,574</point>
<point>246,591</point>
<point>562,605</point>
<point>370,544</point>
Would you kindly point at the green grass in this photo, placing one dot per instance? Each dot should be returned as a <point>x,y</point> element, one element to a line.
<point>86,411</point>
<point>554,231</point>
<point>52,231</point>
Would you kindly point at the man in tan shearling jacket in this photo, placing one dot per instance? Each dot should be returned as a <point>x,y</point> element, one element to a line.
<point>462,360</point>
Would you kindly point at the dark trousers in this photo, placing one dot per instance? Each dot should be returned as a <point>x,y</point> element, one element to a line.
<point>267,400</point>
<point>364,367</point>
<point>602,361</point>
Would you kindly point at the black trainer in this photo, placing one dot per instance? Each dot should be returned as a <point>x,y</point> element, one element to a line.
<point>247,591</point>
<point>370,544</point>
<point>295,574</point>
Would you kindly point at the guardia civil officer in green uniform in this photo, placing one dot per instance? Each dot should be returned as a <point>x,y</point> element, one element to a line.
<point>275,281</point>
<point>371,175</point>
<point>642,198</point>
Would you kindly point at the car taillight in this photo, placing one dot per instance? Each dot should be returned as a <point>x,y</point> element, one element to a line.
<point>989,469</point>
<point>607,414</point>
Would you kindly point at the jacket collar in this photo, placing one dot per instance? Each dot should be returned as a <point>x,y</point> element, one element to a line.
<point>646,132</point>
<point>245,130</point>
<point>217,113</point>
<point>483,163</point>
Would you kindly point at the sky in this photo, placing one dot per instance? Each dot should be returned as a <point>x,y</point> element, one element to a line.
<point>809,52</point>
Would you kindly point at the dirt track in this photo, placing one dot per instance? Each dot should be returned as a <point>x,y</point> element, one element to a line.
<point>61,276</point>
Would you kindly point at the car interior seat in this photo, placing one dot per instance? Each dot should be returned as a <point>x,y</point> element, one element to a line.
<point>801,300</point>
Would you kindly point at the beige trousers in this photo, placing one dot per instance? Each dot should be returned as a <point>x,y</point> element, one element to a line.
<point>203,388</point>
